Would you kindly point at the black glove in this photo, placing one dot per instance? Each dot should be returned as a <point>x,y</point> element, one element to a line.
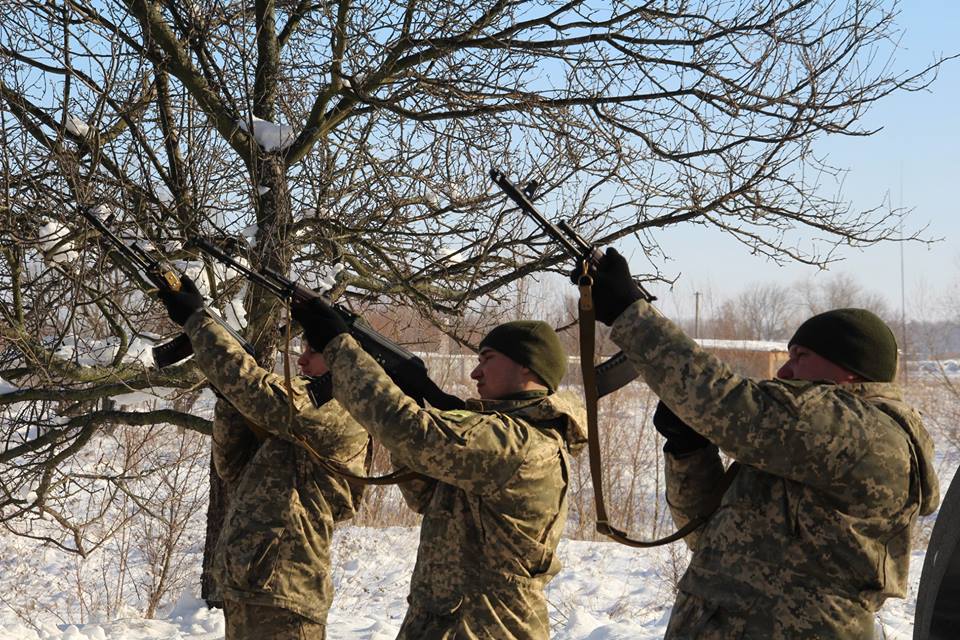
<point>414,380</point>
<point>613,287</point>
<point>681,439</point>
<point>411,379</point>
<point>182,304</point>
<point>321,323</point>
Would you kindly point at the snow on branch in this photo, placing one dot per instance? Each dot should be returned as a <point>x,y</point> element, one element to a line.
<point>76,126</point>
<point>54,244</point>
<point>270,136</point>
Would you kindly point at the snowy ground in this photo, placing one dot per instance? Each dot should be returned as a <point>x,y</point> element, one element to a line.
<point>605,592</point>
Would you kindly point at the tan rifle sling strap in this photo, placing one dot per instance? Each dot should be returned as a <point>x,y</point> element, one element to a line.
<point>587,321</point>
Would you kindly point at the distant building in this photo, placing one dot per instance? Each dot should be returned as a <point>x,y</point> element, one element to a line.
<point>751,358</point>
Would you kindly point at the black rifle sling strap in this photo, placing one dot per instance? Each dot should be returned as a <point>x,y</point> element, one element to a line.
<point>587,321</point>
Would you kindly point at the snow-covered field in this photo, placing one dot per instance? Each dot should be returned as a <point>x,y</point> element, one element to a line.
<point>605,592</point>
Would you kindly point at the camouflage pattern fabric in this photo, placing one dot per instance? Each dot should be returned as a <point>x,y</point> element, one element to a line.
<point>493,510</point>
<point>256,622</point>
<point>273,549</point>
<point>814,533</point>
<point>234,444</point>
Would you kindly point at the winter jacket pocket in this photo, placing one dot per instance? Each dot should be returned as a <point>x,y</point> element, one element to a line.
<point>251,563</point>
<point>264,562</point>
<point>697,618</point>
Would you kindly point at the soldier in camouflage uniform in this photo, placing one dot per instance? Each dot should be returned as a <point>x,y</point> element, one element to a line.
<point>494,496</point>
<point>272,558</point>
<point>814,532</point>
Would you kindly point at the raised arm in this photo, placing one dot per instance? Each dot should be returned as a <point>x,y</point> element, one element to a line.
<point>262,396</point>
<point>837,441</point>
<point>477,452</point>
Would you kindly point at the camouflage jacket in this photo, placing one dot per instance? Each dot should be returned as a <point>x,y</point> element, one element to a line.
<point>814,533</point>
<point>273,549</point>
<point>494,504</point>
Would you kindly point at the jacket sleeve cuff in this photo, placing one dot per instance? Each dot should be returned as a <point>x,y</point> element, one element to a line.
<point>335,347</point>
<point>196,322</point>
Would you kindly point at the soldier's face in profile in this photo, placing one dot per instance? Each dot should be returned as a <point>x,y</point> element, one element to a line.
<point>498,376</point>
<point>804,364</point>
<point>311,363</point>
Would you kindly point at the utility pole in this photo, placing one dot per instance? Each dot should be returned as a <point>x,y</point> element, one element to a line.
<point>903,290</point>
<point>696,315</point>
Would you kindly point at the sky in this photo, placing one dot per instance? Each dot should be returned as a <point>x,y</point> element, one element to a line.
<point>915,158</point>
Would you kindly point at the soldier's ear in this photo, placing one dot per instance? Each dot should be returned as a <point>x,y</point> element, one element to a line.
<point>535,378</point>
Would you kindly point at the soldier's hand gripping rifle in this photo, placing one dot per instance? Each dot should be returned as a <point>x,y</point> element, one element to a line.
<point>617,371</point>
<point>162,276</point>
<point>406,369</point>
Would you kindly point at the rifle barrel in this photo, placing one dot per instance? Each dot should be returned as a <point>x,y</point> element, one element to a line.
<point>524,203</point>
<point>159,274</point>
<point>269,284</point>
<point>574,244</point>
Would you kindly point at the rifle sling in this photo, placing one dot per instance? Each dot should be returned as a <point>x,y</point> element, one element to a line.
<point>324,385</point>
<point>338,468</point>
<point>587,321</point>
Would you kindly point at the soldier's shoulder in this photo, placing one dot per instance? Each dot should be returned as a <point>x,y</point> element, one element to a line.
<point>796,387</point>
<point>801,393</point>
<point>509,427</point>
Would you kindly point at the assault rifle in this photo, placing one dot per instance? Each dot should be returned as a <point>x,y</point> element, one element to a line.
<point>406,369</point>
<point>163,277</point>
<point>617,371</point>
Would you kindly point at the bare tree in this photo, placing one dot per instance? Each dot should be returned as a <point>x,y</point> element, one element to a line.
<point>760,312</point>
<point>773,311</point>
<point>838,292</point>
<point>630,116</point>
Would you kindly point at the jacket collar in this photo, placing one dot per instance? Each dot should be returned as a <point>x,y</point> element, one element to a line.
<point>542,410</point>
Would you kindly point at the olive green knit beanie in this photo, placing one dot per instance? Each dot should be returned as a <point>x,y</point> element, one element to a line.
<point>533,344</point>
<point>855,339</point>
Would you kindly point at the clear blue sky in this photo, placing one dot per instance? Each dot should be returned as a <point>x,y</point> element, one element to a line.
<point>918,147</point>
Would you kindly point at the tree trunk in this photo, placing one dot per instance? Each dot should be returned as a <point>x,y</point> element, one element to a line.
<point>216,510</point>
<point>273,219</point>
